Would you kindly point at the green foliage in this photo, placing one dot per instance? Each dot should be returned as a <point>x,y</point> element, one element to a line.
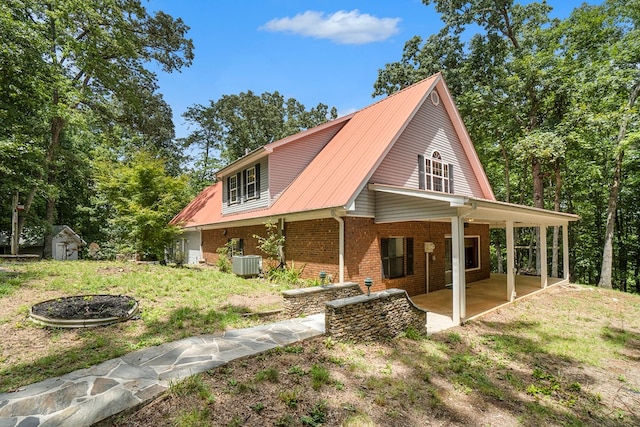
<point>289,397</point>
<point>319,376</point>
<point>223,262</point>
<point>144,198</point>
<point>273,244</point>
<point>236,123</point>
<point>530,91</point>
<point>317,415</point>
<point>87,88</point>
<point>269,374</point>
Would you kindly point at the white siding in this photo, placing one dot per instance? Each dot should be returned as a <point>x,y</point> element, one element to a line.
<point>286,162</point>
<point>394,208</point>
<point>246,205</point>
<point>365,204</point>
<point>430,130</point>
<point>192,248</point>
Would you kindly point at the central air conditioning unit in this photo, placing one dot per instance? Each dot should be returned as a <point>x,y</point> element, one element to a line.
<point>246,265</point>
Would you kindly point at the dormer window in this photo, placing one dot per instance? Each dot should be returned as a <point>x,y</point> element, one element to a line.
<point>250,183</point>
<point>233,189</point>
<point>435,175</point>
<point>244,185</point>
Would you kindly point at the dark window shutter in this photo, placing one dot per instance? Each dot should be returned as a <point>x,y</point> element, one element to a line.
<point>244,182</point>
<point>228,191</point>
<point>258,181</point>
<point>239,185</point>
<point>450,178</point>
<point>421,177</point>
<point>410,256</point>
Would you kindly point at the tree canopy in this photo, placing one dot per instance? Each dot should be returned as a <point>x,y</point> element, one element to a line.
<point>235,124</point>
<point>551,107</point>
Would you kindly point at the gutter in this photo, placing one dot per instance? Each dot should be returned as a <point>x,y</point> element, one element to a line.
<point>341,244</point>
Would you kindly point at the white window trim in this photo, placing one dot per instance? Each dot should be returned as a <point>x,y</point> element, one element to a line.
<point>430,177</point>
<point>248,183</point>
<point>233,191</point>
<point>473,236</point>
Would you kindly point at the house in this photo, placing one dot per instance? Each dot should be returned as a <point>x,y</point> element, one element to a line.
<point>394,192</point>
<point>65,244</point>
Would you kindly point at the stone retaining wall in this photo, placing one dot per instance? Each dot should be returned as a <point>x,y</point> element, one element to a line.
<point>298,302</point>
<point>381,315</point>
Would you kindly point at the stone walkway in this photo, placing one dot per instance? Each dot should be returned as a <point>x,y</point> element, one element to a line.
<point>84,397</point>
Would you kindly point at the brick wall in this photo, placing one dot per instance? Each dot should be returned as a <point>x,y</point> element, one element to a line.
<point>313,246</point>
<point>381,315</point>
<point>298,302</point>
<point>214,239</point>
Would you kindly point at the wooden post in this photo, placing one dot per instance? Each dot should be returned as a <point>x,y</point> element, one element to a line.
<point>458,269</point>
<point>15,238</point>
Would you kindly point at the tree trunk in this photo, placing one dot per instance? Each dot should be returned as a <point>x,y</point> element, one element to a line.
<point>607,252</point>
<point>538,202</point>
<point>57,124</point>
<point>556,229</point>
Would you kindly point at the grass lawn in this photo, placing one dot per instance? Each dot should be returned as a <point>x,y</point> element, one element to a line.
<point>569,356</point>
<point>174,302</point>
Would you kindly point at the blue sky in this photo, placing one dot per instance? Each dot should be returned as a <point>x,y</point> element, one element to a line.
<point>315,51</point>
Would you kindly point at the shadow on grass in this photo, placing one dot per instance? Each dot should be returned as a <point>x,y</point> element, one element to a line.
<point>103,343</point>
<point>629,342</point>
<point>513,373</point>
<point>11,281</point>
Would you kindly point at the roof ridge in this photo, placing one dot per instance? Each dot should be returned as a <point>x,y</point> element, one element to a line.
<point>404,89</point>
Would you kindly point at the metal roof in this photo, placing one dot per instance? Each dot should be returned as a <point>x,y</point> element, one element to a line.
<point>335,177</point>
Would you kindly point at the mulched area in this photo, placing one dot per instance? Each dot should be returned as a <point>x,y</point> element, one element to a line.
<point>85,307</point>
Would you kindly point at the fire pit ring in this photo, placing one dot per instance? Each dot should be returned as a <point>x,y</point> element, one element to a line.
<point>84,311</point>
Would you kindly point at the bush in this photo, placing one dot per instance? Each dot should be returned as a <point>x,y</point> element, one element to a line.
<point>224,263</point>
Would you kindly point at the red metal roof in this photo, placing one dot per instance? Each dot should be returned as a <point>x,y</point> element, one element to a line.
<point>337,174</point>
<point>206,208</point>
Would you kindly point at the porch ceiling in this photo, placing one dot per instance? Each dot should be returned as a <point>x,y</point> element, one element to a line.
<point>403,204</point>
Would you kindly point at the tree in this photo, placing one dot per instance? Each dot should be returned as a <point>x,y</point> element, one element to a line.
<point>144,198</point>
<point>603,53</point>
<point>95,53</point>
<point>235,124</point>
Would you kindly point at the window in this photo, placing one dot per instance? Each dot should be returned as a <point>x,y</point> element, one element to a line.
<point>397,257</point>
<point>233,189</point>
<point>437,174</point>
<point>236,246</point>
<point>471,253</point>
<point>250,182</point>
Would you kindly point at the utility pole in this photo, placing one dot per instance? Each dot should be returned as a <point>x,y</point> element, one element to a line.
<point>15,239</point>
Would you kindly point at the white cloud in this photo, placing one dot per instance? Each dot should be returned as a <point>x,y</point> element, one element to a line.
<point>341,27</point>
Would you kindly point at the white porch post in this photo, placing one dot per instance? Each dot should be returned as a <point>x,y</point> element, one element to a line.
<point>543,252</point>
<point>458,269</point>
<point>565,251</point>
<point>511,279</point>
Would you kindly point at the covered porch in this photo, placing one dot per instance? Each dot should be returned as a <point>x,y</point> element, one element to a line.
<point>482,297</point>
<point>463,301</point>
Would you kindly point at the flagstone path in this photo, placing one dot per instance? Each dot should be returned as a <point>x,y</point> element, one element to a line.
<point>86,396</point>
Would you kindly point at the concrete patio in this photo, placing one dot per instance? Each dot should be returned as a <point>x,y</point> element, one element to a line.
<point>482,296</point>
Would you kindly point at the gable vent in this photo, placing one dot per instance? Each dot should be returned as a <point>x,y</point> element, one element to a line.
<point>435,98</point>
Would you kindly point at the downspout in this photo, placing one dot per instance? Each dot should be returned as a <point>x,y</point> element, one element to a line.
<point>340,245</point>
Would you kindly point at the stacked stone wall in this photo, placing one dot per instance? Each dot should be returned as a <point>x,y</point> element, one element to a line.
<point>304,301</point>
<point>381,315</point>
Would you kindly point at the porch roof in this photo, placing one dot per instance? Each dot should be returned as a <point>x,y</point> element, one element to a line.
<point>424,205</point>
